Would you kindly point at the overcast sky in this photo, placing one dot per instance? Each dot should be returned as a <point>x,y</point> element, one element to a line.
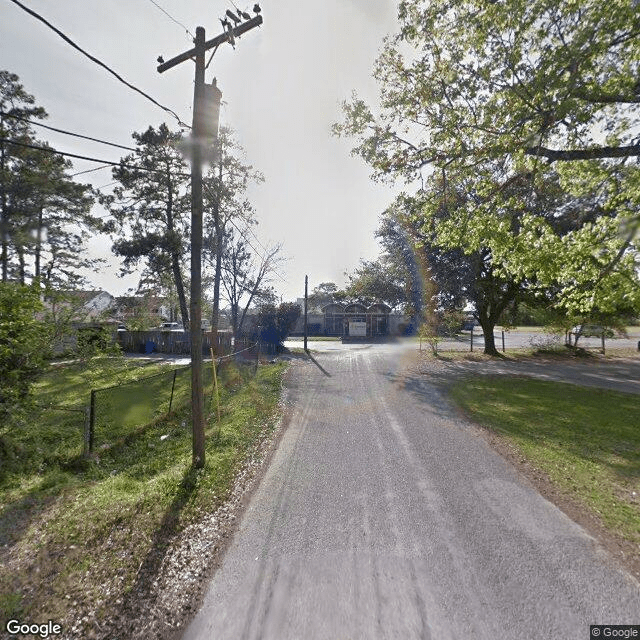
<point>282,88</point>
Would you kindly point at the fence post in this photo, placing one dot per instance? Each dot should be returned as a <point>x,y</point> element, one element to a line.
<point>173,386</point>
<point>503,350</point>
<point>603,341</point>
<point>258,348</point>
<point>471,338</point>
<point>92,420</point>
<point>87,432</point>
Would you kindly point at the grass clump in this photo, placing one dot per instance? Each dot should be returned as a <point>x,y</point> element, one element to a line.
<point>586,440</point>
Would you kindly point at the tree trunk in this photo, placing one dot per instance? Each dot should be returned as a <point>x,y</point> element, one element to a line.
<point>175,257</point>
<point>21,265</point>
<point>4,214</point>
<point>488,324</point>
<point>38,249</point>
<point>177,276</point>
<point>489,339</point>
<point>215,315</point>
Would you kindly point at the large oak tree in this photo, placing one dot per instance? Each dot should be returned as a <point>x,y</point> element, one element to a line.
<point>518,86</point>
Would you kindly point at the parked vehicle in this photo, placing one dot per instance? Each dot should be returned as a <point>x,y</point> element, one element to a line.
<point>171,326</point>
<point>592,331</point>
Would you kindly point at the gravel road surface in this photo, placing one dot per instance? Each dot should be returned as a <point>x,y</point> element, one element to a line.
<point>384,515</point>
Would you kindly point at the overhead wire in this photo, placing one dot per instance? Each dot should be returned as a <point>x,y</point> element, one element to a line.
<point>166,13</point>
<point>90,159</point>
<point>79,173</point>
<point>65,132</point>
<point>99,62</point>
<point>242,233</point>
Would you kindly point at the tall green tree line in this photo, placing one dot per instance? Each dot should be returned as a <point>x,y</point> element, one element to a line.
<point>45,215</point>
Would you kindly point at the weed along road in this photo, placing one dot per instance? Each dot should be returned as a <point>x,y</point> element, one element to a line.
<point>383,514</point>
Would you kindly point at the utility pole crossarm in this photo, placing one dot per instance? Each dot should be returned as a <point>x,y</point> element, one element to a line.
<point>256,21</point>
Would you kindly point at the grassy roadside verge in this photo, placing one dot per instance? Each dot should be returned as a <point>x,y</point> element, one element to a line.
<point>74,534</point>
<point>587,441</point>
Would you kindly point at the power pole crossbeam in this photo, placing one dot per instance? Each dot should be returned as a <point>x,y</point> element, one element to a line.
<point>256,21</point>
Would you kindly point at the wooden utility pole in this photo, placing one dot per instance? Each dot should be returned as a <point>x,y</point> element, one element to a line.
<point>195,307</point>
<point>306,296</point>
<point>203,131</point>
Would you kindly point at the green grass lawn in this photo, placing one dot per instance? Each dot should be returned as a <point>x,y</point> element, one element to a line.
<point>69,526</point>
<point>66,389</point>
<point>586,440</point>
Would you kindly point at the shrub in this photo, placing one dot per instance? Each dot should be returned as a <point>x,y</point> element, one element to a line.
<point>276,322</point>
<point>24,346</point>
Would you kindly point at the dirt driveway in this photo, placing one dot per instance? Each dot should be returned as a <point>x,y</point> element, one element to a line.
<point>621,374</point>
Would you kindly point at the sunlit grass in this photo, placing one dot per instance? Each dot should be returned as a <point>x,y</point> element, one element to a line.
<point>586,440</point>
<point>86,522</point>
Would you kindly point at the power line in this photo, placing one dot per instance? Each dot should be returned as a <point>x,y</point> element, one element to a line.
<point>104,186</point>
<point>79,173</point>
<point>75,155</point>
<point>60,153</point>
<point>242,233</point>
<point>259,254</point>
<point>99,62</point>
<point>172,18</point>
<point>65,132</point>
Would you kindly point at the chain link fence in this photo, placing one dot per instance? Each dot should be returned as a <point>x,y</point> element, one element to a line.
<point>117,411</point>
<point>468,341</point>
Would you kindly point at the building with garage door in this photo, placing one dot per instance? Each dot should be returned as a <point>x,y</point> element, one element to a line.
<point>356,320</point>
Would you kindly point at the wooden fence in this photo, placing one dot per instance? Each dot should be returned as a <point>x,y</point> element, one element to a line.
<point>179,342</point>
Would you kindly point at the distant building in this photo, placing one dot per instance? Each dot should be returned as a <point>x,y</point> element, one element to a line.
<point>156,309</point>
<point>353,320</point>
<point>80,306</point>
<point>356,320</point>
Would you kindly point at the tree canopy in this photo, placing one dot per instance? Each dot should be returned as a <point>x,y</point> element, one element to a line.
<point>150,208</point>
<point>530,111</point>
<point>45,216</point>
<point>465,80</point>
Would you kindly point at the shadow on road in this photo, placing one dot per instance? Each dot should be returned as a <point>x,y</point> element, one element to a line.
<point>326,373</point>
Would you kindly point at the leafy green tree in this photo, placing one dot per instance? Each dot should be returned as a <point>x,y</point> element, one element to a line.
<point>45,216</point>
<point>467,80</point>
<point>325,293</point>
<point>150,209</point>
<point>276,322</point>
<point>397,235</point>
<point>16,105</point>
<point>24,346</point>
<point>507,84</point>
<point>378,280</point>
